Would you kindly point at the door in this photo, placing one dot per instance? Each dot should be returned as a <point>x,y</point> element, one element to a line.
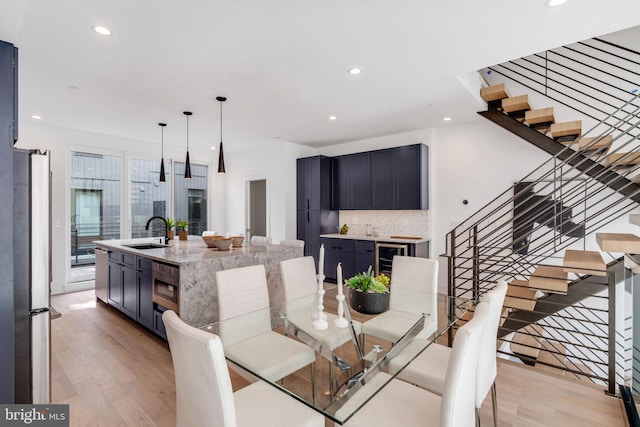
<point>257,208</point>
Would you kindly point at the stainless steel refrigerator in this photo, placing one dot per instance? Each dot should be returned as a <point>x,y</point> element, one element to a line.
<point>32,275</point>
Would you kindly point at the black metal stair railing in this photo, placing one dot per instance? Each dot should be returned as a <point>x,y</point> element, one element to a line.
<point>556,207</point>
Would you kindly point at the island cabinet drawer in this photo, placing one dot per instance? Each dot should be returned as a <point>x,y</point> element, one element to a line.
<point>145,265</point>
<point>129,259</point>
<point>115,256</point>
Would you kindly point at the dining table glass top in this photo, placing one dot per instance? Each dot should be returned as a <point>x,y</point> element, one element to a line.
<point>347,366</point>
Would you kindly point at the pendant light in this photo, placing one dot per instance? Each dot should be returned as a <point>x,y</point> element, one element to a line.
<point>221,152</point>
<point>187,164</point>
<point>162,177</point>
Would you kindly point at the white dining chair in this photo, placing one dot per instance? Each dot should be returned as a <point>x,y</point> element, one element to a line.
<point>427,369</point>
<point>300,284</point>
<point>413,288</point>
<point>399,403</point>
<point>204,395</point>
<point>292,242</point>
<point>243,292</point>
<point>260,240</point>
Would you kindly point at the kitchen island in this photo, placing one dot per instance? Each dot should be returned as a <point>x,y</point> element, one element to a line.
<point>194,267</point>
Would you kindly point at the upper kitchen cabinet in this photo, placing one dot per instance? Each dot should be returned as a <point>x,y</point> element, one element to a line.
<point>394,178</point>
<point>8,92</point>
<point>412,177</point>
<point>352,182</point>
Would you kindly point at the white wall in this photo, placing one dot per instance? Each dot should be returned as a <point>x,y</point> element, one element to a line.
<point>276,163</point>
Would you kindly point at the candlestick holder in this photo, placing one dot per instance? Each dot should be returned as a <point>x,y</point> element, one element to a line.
<point>319,300</point>
<point>320,323</point>
<point>340,321</point>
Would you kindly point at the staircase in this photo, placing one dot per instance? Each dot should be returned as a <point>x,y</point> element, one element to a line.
<point>547,237</point>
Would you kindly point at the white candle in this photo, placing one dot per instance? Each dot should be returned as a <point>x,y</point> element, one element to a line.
<point>339,278</point>
<point>321,267</point>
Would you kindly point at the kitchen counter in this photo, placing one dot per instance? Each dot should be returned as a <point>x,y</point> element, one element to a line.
<point>391,239</point>
<point>198,296</point>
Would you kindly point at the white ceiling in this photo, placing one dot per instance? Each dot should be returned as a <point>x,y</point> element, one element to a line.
<point>282,63</point>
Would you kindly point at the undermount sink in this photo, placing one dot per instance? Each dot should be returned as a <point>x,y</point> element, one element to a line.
<point>143,246</point>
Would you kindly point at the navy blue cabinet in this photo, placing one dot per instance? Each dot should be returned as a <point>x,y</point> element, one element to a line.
<point>335,251</point>
<point>313,202</point>
<point>412,185</point>
<point>130,286</point>
<point>393,178</point>
<point>363,255</point>
<point>9,91</point>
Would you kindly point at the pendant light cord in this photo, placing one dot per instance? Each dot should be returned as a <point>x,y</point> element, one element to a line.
<point>220,121</point>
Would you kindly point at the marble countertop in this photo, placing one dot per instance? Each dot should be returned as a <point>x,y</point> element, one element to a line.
<point>391,239</point>
<point>186,251</point>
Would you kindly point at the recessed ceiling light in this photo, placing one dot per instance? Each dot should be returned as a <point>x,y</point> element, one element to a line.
<point>332,117</point>
<point>553,3</point>
<point>104,31</point>
<point>353,71</point>
<point>447,119</point>
<point>213,148</point>
<point>36,117</point>
<point>73,87</point>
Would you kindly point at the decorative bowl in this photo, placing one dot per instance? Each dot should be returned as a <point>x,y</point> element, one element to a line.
<point>211,240</point>
<point>223,244</point>
<point>237,241</point>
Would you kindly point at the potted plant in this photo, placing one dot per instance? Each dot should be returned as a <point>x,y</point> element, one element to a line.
<point>182,229</point>
<point>368,294</point>
<point>171,223</point>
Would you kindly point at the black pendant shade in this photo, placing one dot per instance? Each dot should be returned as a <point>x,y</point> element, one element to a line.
<point>162,177</point>
<point>221,152</point>
<point>187,164</point>
<point>221,160</point>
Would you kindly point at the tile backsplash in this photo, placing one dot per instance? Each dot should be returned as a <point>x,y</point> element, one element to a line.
<point>389,223</point>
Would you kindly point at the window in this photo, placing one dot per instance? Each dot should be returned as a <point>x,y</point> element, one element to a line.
<point>149,197</point>
<point>95,204</point>
<point>191,197</point>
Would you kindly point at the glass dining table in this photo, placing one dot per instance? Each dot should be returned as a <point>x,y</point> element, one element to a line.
<point>345,377</point>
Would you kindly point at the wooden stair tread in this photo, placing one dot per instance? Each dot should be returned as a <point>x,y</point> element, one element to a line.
<point>553,354</point>
<point>622,159</point>
<point>584,262</point>
<point>549,278</point>
<point>528,343</point>
<point>566,129</point>
<point>516,103</point>
<point>520,296</point>
<point>595,143</point>
<point>494,93</point>
<point>618,242</point>
<point>542,115</point>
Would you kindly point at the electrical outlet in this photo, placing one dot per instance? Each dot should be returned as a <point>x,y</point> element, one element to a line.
<point>355,221</point>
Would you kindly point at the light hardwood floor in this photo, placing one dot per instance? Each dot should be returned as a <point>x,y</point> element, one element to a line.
<point>113,372</point>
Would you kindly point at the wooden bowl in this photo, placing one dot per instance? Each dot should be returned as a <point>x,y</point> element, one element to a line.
<point>211,240</point>
<point>237,241</point>
<point>223,244</point>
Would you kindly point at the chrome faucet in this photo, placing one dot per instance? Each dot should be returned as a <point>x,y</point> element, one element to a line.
<point>166,228</point>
